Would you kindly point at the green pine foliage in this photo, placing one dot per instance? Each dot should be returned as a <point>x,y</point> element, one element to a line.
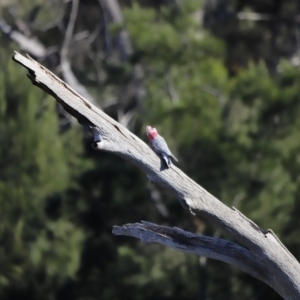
<point>232,123</point>
<point>236,136</point>
<point>36,163</point>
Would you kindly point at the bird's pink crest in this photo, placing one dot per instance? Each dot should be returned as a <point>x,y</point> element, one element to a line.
<point>148,129</point>
<point>151,132</point>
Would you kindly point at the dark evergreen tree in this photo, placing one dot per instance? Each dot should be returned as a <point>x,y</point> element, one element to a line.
<point>232,124</point>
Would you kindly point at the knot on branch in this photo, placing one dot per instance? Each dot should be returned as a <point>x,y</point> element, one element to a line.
<point>100,143</point>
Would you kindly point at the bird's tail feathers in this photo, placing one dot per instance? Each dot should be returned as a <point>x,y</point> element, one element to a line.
<point>173,157</point>
<point>167,160</point>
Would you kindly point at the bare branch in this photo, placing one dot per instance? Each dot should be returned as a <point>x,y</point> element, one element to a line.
<point>117,16</point>
<point>196,244</point>
<point>157,201</point>
<point>125,118</point>
<point>283,270</point>
<point>125,52</point>
<point>70,29</point>
<point>56,10</point>
<point>254,16</point>
<point>29,44</point>
<point>66,69</point>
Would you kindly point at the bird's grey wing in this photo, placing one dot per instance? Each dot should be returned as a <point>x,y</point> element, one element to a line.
<point>159,145</point>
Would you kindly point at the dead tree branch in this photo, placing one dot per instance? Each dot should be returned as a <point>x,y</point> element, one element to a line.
<point>29,44</point>
<point>125,52</point>
<point>191,243</point>
<point>262,254</point>
<point>66,69</point>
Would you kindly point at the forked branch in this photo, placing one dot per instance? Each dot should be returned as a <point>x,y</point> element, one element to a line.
<point>262,255</point>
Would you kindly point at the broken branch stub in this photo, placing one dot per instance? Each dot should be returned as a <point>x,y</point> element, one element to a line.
<point>281,269</point>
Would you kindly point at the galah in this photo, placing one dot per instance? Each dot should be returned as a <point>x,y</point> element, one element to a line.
<point>160,146</point>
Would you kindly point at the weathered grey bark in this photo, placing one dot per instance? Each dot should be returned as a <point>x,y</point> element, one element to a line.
<point>262,254</point>
<point>191,243</point>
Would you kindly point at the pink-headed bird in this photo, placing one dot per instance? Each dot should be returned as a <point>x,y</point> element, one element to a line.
<point>160,146</point>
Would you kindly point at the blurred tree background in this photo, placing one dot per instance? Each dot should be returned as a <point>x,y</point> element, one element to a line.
<point>220,79</point>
